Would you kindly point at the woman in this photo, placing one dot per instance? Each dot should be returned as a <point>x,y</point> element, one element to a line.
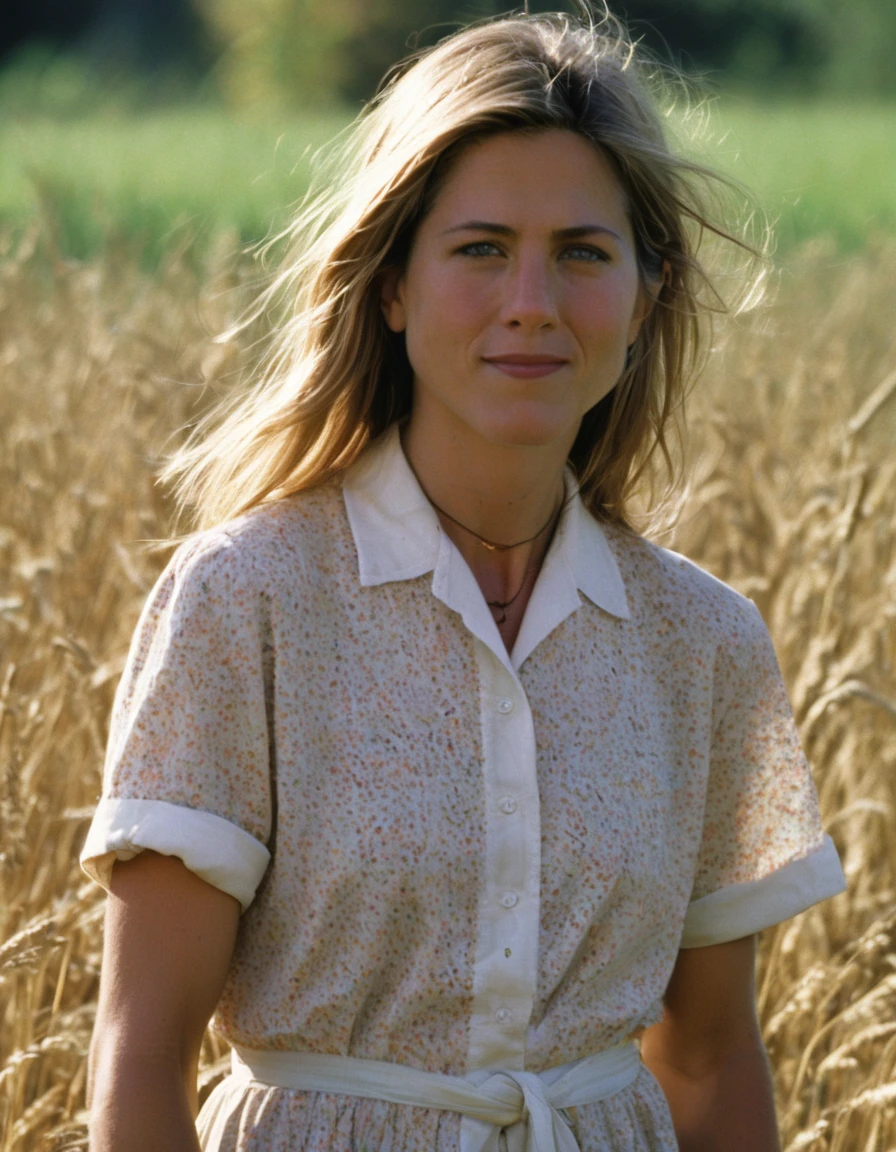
<point>499,787</point>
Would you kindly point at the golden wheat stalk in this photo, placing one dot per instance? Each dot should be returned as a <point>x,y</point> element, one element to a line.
<point>792,499</point>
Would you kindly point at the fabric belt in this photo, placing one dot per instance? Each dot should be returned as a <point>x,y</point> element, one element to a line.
<point>526,1106</point>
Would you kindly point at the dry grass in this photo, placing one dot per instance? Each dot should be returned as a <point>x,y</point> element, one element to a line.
<point>792,500</point>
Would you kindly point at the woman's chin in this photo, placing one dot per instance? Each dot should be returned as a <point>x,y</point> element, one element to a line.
<point>531,433</point>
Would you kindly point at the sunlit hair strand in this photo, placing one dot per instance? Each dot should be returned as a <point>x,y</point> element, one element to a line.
<point>337,378</point>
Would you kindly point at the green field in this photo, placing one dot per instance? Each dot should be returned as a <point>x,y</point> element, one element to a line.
<point>188,172</point>
<point>819,168</point>
<point>178,173</point>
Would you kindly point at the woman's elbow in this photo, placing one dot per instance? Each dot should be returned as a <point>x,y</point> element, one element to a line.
<point>142,1097</point>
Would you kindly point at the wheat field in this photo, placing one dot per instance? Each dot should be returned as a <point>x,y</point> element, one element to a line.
<point>791,498</point>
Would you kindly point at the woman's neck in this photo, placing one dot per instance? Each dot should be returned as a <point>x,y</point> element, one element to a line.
<point>487,495</point>
<point>501,495</point>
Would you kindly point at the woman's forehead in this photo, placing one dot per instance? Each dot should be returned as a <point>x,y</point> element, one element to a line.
<point>542,176</point>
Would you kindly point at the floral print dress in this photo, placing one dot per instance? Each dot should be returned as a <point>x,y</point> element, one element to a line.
<point>450,856</point>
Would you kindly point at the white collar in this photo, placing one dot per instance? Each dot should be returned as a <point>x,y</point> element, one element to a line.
<point>398,537</point>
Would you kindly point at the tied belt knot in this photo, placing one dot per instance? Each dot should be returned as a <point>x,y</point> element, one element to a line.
<point>533,1119</point>
<point>529,1108</point>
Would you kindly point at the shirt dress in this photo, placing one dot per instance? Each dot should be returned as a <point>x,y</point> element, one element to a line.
<point>449,856</point>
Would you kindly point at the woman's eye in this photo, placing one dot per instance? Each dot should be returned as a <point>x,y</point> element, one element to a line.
<point>585,252</point>
<point>480,248</point>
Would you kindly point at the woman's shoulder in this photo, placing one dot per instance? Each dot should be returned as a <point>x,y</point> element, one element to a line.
<point>283,538</point>
<point>661,582</point>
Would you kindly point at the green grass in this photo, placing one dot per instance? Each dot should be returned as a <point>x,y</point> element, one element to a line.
<point>157,176</point>
<point>189,172</point>
<point>819,168</point>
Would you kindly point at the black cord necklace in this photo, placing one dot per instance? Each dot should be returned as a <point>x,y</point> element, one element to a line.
<point>501,605</point>
<point>490,544</point>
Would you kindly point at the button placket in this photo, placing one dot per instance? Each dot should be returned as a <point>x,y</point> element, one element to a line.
<point>506,955</point>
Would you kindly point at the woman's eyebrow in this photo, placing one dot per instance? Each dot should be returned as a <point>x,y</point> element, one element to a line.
<point>577,232</point>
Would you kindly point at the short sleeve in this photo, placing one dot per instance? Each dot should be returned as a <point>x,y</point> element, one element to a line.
<point>187,769</point>
<point>764,856</point>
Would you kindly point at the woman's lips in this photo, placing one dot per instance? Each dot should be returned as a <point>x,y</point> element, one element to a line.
<point>526,367</point>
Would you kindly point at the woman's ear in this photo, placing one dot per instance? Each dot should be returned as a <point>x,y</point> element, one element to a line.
<point>392,299</point>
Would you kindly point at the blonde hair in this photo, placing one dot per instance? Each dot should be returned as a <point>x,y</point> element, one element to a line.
<point>336,377</point>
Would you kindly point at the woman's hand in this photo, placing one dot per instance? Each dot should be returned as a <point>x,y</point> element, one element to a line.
<point>169,937</point>
<point>708,1055</point>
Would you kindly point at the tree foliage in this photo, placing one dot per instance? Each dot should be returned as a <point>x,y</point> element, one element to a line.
<point>287,52</point>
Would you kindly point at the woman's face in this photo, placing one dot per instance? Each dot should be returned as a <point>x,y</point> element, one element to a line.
<point>521,292</point>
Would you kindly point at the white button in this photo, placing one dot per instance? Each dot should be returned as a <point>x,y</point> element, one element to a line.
<point>509,900</point>
<point>503,1015</point>
<point>505,706</point>
<point>507,804</point>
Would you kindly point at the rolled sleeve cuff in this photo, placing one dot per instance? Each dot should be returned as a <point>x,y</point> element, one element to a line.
<point>742,909</point>
<point>218,851</point>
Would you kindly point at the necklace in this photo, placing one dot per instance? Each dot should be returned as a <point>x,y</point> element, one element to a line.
<point>490,544</point>
<point>501,605</point>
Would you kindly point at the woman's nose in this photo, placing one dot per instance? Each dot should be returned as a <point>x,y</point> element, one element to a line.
<point>530,295</point>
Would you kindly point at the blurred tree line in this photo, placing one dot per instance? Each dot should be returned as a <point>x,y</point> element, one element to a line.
<point>298,52</point>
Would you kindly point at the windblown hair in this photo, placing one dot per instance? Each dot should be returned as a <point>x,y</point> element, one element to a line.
<point>337,377</point>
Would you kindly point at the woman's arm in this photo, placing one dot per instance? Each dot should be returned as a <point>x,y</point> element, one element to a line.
<point>169,937</point>
<point>708,1055</point>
